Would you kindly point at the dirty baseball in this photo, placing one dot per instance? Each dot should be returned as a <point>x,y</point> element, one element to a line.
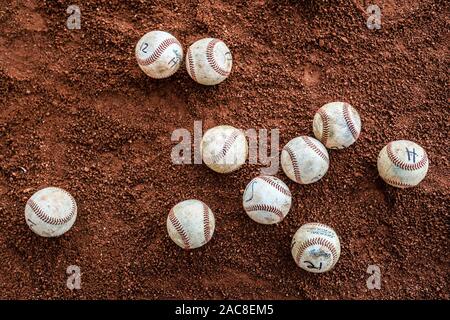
<point>159,54</point>
<point>316,247</point>
<point>337,125</point>
<point>190,224</point>
<point>51,212</point>
<point>402,163</point>
<point>224,148</point>
<point>304,160</point>
<point>267,199</point>
<point>209,61</point>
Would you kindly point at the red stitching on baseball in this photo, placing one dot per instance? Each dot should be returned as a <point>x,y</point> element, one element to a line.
<point>316,241</point>
<point>179,227</point>
<point>212,61</point>
<point>276,185</point>
<point>266,207</point>
<point>315,148</point>
<point>403,165</point>
<point>349,121</point>
<point>397,183</point>
<point>295,165</point>
<point>325,125</point>
<point>226,147</point>
<point>41,214</point>
<point>206,230</point>
<point>158,52</point>
<point>191,64</point>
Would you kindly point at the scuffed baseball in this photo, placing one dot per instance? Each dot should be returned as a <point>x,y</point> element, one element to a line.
<point>402,163</point>
<point>224,148</point>
<point>267,200</point>
<point>159,54</point>
<point>304,160</point>
<point>209,61</point>
<point>51,212</point>
<point>190,224</point>
<point>316,247</point>
<point>337,125</point>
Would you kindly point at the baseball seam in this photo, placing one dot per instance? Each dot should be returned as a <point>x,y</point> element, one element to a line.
<point>206,229</point>
<point>325,126</point>
<point>179,228</point>
<point>267,208</point>
<point>190,60</point>
<point>226,147</point>
<point>348,120</point>
<point>158,52</point>
<point>276,185</point>
<point>315,148</point>
<point>403,165</point>
<point>212,61</point>
<point>294,162</point>
<point>41,214</point>
<point>397,183</point>
<point>315,241</point>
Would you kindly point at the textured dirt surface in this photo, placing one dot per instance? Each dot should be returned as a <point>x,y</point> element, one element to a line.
<point>78,113</point>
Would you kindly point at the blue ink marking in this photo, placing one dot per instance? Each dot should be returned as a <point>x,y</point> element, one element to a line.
<point>411,155</point>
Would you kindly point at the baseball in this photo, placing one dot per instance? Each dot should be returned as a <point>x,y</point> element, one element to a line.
<point>209,61</point>
<point>316,247</point>
<point>337,125</point>
<point>304,160</point>
<point>267,200</point>
<point>51,212</point>
<point>402,163</point>
<point>159,54</point>
<point>224,148</point>
<point>190,224</point>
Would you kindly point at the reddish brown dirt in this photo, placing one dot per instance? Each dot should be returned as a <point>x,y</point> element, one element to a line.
<point>78,113</point>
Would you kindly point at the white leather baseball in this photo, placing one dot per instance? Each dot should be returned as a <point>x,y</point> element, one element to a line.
<point>402,163</point>
<point>51,212</point>
<point>267,199</point>
<point>316,247</point>
<point>159,54</point>
<point>337,125</point>
<point>209,61</point>
<point>304,160</point>
<point>190,224</point>
<point>224,148</point>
